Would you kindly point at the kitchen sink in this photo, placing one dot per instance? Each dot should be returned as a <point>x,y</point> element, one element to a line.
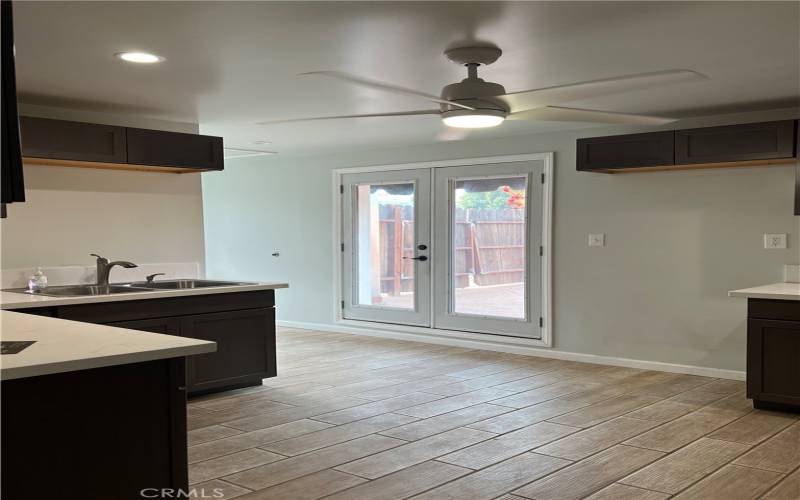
<point>82,290</point>
<point>183,284</point>
<point>138,286</point>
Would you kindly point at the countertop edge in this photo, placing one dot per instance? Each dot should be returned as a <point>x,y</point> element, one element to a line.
<point>105,361</point>
<point>25,301</point>
<point>775,291</point>
<point>776,296</point>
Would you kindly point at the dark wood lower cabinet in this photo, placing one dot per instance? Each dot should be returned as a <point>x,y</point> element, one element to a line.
<point>242,324</point>
<point>101,433</point>
<point>245,349</point>
<point>773,354</point>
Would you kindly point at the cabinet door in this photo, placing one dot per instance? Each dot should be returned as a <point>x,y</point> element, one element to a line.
<point>173,149</point>
<point>65,140</point>
<point>773,351</point>
<point>653,149</point>
<point>167,326</point>
<point>748,142</point>
<point>245,348</point>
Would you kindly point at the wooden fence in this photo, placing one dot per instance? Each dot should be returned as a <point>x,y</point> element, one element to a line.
<point>489,247</point>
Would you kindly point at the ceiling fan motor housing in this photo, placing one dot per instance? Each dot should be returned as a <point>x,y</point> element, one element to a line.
<point>476,93</point>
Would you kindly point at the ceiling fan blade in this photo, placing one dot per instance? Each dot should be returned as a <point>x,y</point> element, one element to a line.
<point>388,87</point>
<point>371,115</point>
<point>561,114</point>
<point>518,101</point>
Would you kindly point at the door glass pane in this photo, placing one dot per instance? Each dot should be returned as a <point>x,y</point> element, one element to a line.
<point>488,247</point>
<point>384,232</point>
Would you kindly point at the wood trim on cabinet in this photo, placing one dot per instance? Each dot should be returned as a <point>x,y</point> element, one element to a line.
<point>49,162</point>
<point>697,166</point>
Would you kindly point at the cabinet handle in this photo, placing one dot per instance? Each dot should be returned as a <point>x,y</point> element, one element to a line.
<point>181,387</point>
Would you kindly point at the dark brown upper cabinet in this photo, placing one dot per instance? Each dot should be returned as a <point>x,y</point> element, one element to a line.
<point>734,143</point>
<point>626,151</point>
<point>173,149</point>
<point>769,143</point>
<point>65,140</point>
<point>77,144</point>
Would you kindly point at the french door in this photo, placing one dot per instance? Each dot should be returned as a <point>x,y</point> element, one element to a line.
<point>455,248</point>
<point>386,243</point>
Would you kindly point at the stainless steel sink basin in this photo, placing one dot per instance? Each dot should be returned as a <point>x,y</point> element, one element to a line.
<point>138,286</point>
<point>183,284</point>
<point>82,290</point>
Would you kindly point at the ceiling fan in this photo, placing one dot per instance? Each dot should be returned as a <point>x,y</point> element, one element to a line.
<point>476,103</point>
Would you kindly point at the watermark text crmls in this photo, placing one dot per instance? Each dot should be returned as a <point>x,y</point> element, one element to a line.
<point>181,493</point>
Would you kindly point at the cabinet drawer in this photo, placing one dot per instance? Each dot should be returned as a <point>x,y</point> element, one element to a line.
<point>787,310</point>
<point>66,140</point>
<point>626,151</point>
<point>752,141</point>
<point>173,149</point>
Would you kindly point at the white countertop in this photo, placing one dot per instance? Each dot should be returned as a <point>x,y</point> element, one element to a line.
<point>64,346</point>
<point>779,291</point>
<point>14,300</point>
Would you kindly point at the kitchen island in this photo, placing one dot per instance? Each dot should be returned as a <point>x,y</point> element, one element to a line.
<point>92,411</point>
<point>773,345</point>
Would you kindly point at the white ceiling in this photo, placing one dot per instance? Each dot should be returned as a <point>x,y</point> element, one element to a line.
<point>230,64</point>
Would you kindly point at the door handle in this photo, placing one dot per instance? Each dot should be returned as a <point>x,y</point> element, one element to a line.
<point>421,258</point>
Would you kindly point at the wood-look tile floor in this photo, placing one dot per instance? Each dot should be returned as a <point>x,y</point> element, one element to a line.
<point>361,418</point>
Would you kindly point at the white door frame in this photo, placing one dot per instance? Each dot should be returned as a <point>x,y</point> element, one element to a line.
<point>546,339</point>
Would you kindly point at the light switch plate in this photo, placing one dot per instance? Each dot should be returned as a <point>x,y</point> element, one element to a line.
<point>597,240</point>
<point>775,241</point>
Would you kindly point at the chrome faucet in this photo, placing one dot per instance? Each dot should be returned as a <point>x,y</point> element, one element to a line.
<point>104,267</point>
<point>150,277</point>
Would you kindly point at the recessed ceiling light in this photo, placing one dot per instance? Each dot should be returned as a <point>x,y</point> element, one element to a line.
<point>139,57</point>
<point>261,142</point>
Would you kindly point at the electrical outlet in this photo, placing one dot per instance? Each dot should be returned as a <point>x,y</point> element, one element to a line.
<point>597,240</point>
<point>791,273</point>
<point>775,241</point>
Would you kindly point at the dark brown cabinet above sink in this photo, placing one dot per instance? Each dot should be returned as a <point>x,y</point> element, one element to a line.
<point>76,144</point>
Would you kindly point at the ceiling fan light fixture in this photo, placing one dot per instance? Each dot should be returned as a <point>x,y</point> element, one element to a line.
<point>139,57</point>
<point>479,118</point>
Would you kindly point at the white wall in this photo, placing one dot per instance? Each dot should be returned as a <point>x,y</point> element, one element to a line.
<point>70,212</point>
<point>676,242</point>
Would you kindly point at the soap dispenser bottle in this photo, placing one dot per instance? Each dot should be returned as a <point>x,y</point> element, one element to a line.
<point>38,281</point>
